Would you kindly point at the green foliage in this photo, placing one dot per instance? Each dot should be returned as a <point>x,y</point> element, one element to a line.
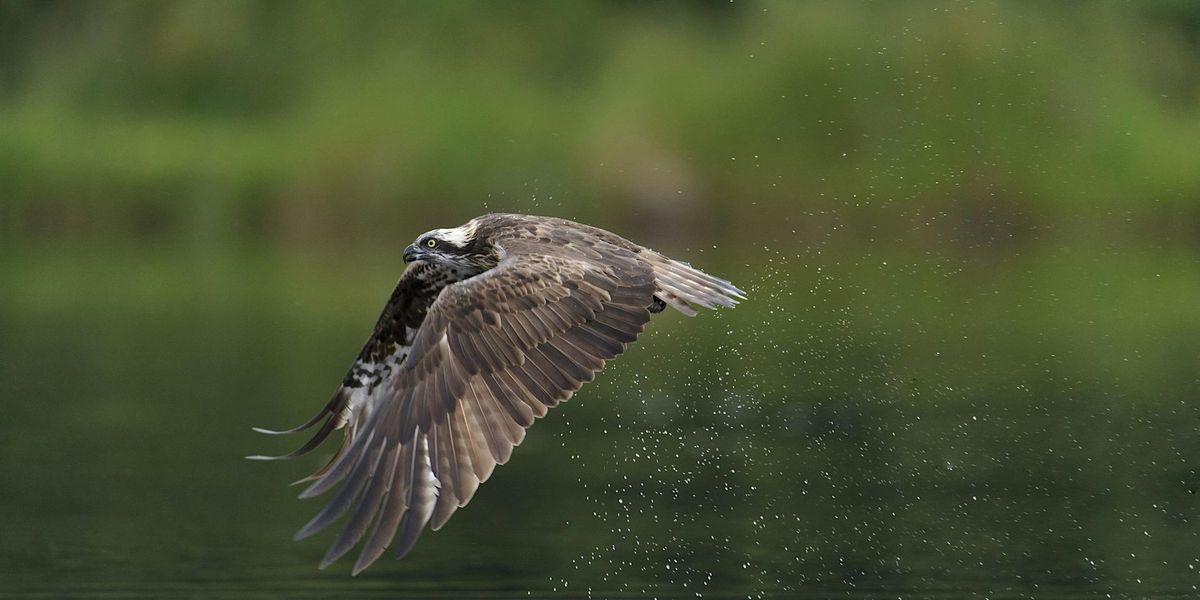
<point>311,119</point>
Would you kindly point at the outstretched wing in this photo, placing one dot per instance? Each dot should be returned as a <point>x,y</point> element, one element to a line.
<point>493,353</point>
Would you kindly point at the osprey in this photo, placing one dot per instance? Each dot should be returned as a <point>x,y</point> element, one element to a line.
<point>491,324</point>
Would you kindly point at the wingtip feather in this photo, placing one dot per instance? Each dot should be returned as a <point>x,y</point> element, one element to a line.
<point>265,431</point>
<point>265,457</point>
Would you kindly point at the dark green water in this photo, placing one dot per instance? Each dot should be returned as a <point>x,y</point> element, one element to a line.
<point>880,425</point>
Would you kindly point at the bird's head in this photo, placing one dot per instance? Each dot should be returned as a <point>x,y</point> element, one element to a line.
<point>456,250</point>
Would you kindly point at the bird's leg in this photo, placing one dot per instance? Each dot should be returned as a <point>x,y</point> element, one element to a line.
<point>658,305</point>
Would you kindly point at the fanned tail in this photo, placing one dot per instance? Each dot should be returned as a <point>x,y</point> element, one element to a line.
<point>684,288</point>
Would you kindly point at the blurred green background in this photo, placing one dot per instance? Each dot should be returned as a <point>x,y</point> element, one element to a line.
<point>970,233</point>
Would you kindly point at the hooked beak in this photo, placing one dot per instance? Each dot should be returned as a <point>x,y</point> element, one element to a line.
<point>411,253</point>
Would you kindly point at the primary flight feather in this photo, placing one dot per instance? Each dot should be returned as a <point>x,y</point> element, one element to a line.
<point>491,324</point>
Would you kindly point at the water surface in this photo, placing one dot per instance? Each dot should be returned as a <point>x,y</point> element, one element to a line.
<point>903,427</point>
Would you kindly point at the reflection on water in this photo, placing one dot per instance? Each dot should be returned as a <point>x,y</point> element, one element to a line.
<point>853,429</point>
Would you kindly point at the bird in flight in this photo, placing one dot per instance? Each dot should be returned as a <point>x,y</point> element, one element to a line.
<point>491,324</point>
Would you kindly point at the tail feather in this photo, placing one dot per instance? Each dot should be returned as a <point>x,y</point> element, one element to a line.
<point>685,288</point>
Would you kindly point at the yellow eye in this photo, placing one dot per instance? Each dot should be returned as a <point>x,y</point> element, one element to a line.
<point>432,243</point>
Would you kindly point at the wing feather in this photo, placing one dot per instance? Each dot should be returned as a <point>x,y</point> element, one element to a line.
<point>536,406</point>
<point>422,494</point>
<point>341,501</point>
<point>466,451</point>
<point>489,423</point>
<point>442,459</point>
<point>584,365</point>
<point>378,479</point>
<point>474,439</point>
<point>392,511</point>
<point>507,399</point>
